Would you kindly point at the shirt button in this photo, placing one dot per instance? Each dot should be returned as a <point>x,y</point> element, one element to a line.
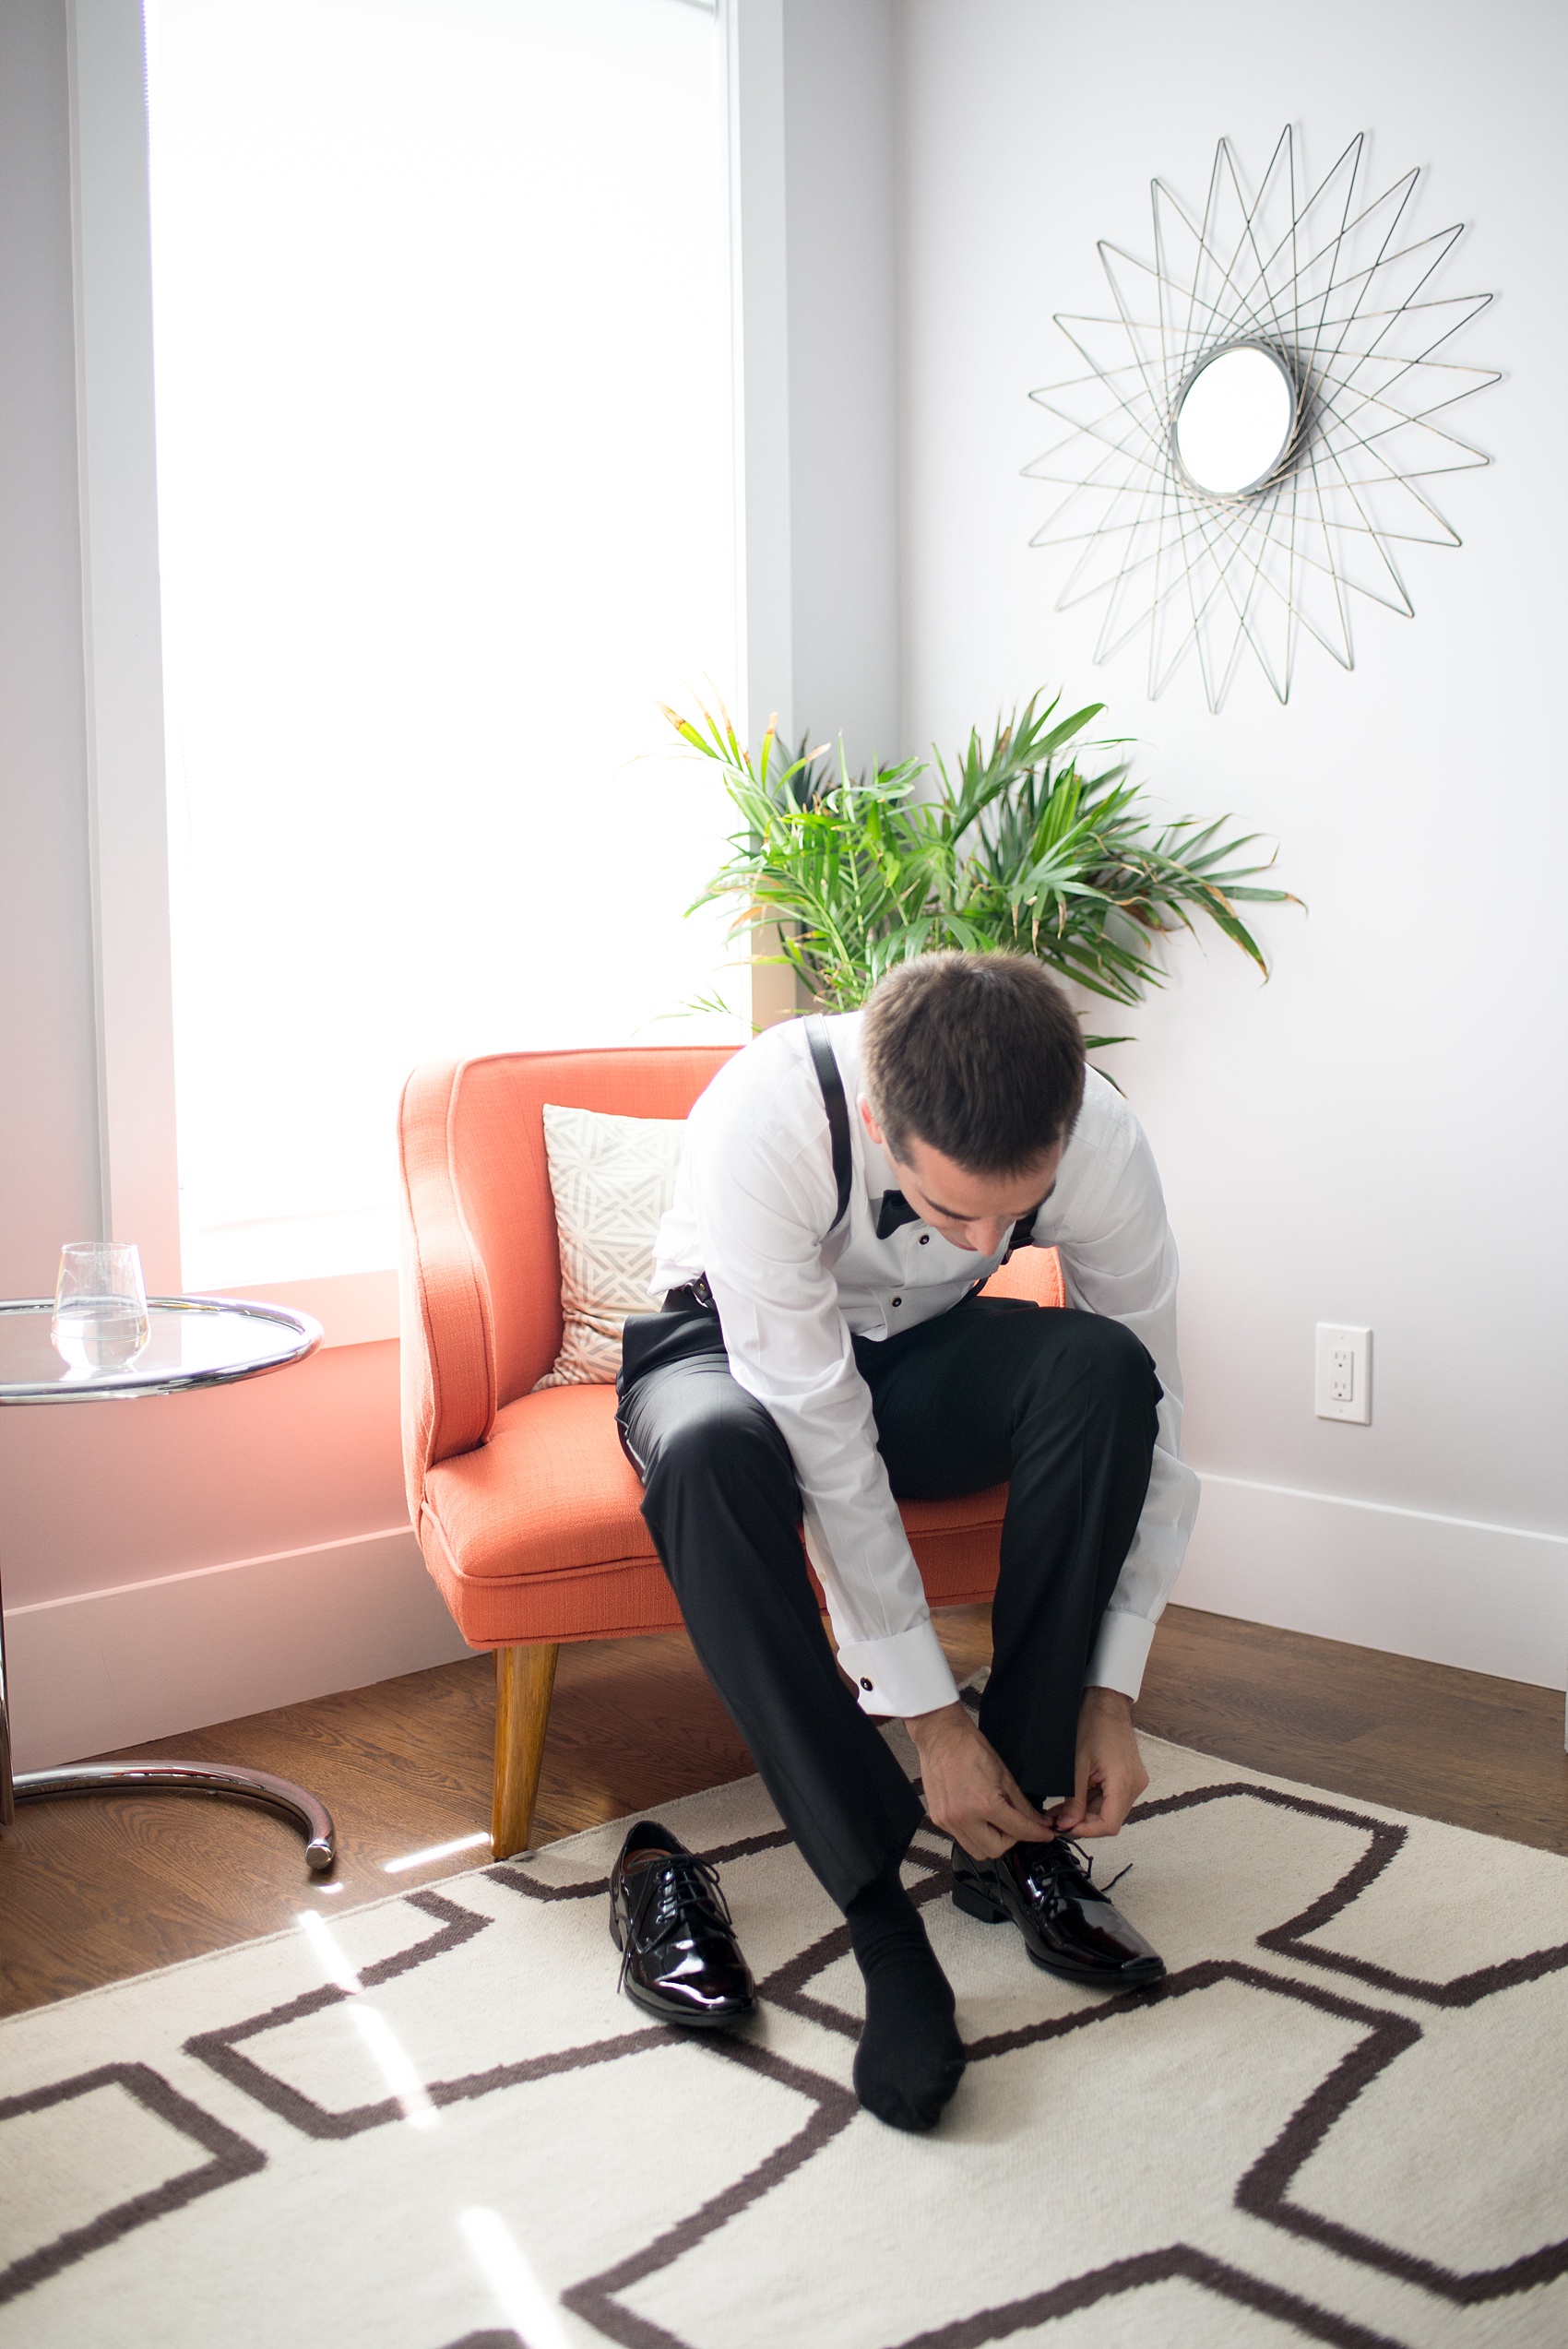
<point>925,1240</point>
<point>898,1301</point>
<point>865,1684</point>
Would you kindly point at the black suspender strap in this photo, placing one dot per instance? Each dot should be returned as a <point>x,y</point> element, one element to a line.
<point>1023,1234</point>
<point>837,1108</point>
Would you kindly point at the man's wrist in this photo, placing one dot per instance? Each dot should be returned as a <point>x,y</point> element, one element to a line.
<point>926,1728</point>
<point>1115,1702</point>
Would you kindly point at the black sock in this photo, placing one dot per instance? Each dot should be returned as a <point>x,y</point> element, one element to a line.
<point>910,2058</point>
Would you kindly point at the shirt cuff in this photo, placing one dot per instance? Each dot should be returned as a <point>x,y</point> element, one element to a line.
<point>1120,1653</point>
<point>905,1675</point>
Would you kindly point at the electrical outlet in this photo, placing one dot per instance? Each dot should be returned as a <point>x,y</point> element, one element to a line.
<point>1343,1385</point>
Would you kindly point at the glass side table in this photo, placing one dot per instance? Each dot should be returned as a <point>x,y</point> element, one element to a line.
<point>192,1342</point>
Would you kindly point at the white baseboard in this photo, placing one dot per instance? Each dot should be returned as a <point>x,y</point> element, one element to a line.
<point>1447,1589</point>
<point>112,1668</point>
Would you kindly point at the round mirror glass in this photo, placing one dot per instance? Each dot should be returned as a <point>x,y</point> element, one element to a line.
<point>1235,419</point>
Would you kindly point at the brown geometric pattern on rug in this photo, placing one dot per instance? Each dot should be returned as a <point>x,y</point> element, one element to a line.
<point>230,2157</point>
<point>1268,2190</point>
<point>220,2050</point>
<point>1181,2263</point>
<point>1388,2035</point>
<point>1264,2192</point>
<point>1386,1841</point>
<point>597,1887</point>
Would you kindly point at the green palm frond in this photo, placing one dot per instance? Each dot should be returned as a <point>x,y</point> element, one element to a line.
<point>1016,849</point>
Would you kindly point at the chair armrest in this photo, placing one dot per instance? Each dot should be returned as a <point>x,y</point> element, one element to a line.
<point>447,1321</point>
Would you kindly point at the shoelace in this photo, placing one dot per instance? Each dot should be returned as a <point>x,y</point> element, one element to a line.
<point>667,1883</point>
<point>1082,1863</point>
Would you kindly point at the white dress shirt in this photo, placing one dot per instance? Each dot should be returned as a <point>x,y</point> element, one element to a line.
<point>755,1201</point>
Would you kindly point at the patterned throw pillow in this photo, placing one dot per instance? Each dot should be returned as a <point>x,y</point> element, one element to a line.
<point>613,1178</point>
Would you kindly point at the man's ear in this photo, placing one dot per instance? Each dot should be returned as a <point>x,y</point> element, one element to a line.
<point>869,1122</point>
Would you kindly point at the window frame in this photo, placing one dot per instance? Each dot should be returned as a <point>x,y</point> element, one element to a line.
<point>122,628</point>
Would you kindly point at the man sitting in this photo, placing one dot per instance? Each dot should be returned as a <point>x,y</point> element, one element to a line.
<point>822,1353</point>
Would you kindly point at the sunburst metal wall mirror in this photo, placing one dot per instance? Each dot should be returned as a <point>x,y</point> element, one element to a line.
<point>1255,442</point>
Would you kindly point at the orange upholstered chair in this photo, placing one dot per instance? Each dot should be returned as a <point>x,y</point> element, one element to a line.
<point>526,1509</point>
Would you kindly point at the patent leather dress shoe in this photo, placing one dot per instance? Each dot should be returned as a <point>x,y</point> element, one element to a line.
<point>1068,1926</point>
<point>680,1960</point>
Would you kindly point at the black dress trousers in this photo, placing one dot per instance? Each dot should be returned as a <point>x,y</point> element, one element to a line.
<point>1060,1405</point>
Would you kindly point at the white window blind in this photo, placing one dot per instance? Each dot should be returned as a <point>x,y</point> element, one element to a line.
<point>446,467</point>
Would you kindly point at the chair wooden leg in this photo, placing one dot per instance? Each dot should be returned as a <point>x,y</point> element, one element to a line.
<point>524,1678</point>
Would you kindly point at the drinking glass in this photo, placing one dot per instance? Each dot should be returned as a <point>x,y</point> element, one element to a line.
<point>101,1319</point>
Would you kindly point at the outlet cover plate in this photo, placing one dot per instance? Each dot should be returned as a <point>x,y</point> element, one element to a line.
<point>1342,1387</point>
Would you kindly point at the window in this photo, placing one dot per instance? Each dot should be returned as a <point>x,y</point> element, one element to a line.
<point>445,458</point>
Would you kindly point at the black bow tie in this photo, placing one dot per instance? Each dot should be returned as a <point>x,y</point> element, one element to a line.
<point>895,1210</point>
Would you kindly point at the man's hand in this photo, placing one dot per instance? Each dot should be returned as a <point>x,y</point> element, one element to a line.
<point>970,1793</point>
<point>1110,1775</point>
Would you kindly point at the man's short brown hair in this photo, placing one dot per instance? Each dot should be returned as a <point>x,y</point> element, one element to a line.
<point>979,1056</point>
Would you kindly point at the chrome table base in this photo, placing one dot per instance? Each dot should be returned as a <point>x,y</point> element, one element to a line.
<point>190,1778</point>
<point>191,1342</point>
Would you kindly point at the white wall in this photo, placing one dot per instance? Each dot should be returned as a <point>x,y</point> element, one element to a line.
<point>1378,1135</point>
<point>842,267</point>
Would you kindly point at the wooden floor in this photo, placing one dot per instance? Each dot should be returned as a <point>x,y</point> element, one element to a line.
<point>94,1889</point>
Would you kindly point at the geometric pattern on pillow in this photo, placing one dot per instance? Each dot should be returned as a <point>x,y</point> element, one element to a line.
<point>612,1180</point>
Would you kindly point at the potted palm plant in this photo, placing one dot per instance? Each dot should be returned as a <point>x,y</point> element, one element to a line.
<point>1013,849</point>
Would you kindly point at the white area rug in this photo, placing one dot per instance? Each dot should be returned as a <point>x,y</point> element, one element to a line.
<point>1343,2118</point>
